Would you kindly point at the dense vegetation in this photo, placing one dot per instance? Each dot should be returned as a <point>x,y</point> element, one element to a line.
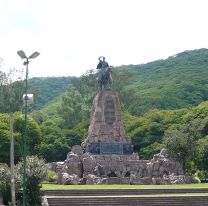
<point>164,105</point>
<point>11,92</point>
<point>36,173</point>
<point>46,89</point>
<point>177,82</point>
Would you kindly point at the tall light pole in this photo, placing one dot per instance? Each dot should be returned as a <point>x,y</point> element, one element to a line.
<point>26,62</point>
<point>12,159</point>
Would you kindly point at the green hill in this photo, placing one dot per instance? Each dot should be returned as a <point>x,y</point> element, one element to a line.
<point>179,81</point>
<point>46,89</point>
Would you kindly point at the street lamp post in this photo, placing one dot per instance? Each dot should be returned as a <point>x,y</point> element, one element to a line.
<point>26,62</point>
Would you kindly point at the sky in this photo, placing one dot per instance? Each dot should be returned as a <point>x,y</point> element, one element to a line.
<point>70,35</point>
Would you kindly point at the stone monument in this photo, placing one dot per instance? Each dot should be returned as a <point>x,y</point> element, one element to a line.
<point>107,157</point>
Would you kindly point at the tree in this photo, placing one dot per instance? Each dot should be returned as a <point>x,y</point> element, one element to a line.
<point>202,155</point>
<point>127,95</point>
<point>53,145</point>
<point>4,146</point>
<point>181,145</point>
<point>45,89</point>
<point>73,108</point>
<point>34,136</point>
<point>149,151</point>
<point>86,85</point>
<point>11,90</point>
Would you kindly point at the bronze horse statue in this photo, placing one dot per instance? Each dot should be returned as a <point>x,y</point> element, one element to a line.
<point>105,78</point>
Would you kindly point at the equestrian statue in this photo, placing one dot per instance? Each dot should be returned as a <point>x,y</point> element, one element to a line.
<point>105,74</point>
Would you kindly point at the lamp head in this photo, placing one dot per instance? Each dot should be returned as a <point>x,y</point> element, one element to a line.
<point>22,54</point>
<point>34,55</point>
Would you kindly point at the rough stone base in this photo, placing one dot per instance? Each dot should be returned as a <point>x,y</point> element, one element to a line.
<point>87,168</point>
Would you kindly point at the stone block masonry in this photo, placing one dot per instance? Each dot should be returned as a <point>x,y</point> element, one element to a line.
<point>106,134</point>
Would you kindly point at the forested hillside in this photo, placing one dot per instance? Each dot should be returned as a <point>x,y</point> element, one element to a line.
<point>177,82</point>
<point>46,89</point>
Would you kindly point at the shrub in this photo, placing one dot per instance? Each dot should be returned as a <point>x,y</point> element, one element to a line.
<point>5,182</point>
<point>52,177</point>
<point>195,179</point>
<point>202,175</point>
<point>36,170</point>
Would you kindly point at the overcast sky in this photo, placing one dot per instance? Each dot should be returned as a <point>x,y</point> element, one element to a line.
<point>71,34</point>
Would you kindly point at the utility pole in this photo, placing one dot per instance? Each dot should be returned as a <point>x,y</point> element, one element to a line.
<point>12,159</point>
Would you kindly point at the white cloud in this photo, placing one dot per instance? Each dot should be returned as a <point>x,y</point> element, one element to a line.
<point>71,34</point>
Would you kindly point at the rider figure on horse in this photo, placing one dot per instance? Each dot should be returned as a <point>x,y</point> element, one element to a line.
<point>104,76</point>
<point>102,63</point>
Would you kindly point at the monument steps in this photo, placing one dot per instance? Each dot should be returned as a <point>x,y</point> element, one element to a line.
<point>111,192</point>
<point>125,197</point>
<point>128,201</point>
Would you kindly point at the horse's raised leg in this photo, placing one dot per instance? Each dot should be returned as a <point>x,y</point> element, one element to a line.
<point>110,83</point>
<point>99,86</point>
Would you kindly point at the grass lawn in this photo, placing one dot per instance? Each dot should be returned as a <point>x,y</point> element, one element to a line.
<point>73,187</point>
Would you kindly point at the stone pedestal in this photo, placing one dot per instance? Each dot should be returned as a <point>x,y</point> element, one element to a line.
<point>121,169</point>
<point>106,133</point>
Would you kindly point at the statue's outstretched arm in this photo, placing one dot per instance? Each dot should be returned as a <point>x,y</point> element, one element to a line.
<point>100,58</point>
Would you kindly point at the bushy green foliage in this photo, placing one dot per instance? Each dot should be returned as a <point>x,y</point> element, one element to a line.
<point>11,92</point>
<point>147,131</point>
<point>73,108</point>
<point>181,145</point>
<point>188,141</point>
<point>45,138</point>
<point>33,138</point>
<point>151,150</point>
<point>202,156</point>
<point>53,145</point>
<point>5,182</point>
<point>52,177</point>
<point>36,170</point>
<point>45,89</point>
<point>184,132</point>
<point>195,180</point>
<point>56,142</point>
